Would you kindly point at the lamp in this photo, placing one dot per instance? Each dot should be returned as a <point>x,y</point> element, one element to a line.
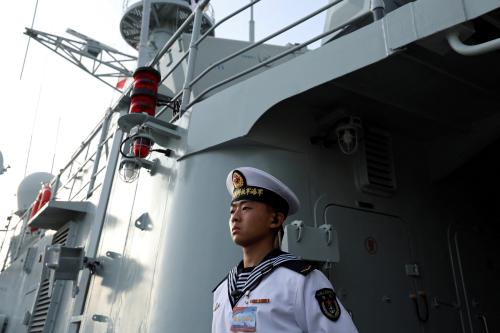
<point>348,132</point>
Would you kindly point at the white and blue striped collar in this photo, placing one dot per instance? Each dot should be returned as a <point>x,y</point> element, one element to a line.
<point>272,261</point>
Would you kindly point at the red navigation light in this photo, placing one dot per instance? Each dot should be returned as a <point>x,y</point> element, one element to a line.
<point>146,78</point>
<point>142,147</point>
<point>143,104</point>
<point>145,91</point>
<point>143,100</point>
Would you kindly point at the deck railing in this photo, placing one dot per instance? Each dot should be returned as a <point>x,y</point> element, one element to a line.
<point>76,181</point>
<point>81,172</point>
<point>184,96</point>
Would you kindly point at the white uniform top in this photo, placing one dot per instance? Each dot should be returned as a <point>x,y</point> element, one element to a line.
<point>286,301</point>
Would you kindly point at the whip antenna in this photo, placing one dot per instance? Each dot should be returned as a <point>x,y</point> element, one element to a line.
<point>55,144</point>
<point>28,44</point>
<point>32,131</point>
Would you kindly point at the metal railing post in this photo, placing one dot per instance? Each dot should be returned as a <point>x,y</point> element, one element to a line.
<point>377,7</point>
<point>262,41</point>
<point>55,186</point>
<point>193,51</point>
<point>96,226</point>
<point>251,26</point>
<point>102,139</point>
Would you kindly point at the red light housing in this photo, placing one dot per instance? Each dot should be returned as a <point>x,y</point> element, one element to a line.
<point>142,147</point>
<point>143,100</point>
<point>145,91</point>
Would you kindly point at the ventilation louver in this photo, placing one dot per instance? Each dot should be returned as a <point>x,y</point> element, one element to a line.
<point>61,236</point>
<point>42,308</point>
<point>376,164</point>
<point>39,317</point>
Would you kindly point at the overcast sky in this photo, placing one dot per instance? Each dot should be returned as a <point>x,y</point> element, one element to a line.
<point>53,91</point>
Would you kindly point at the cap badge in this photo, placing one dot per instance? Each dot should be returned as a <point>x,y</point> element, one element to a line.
<point>238,179</point>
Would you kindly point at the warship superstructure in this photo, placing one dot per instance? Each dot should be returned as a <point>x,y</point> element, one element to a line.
<point>388,133</point>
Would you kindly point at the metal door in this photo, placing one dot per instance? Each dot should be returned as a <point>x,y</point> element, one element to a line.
<point>478,276</point>
<point>370,277</point>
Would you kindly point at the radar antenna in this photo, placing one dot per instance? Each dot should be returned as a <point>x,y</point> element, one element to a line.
<point>99,60</point>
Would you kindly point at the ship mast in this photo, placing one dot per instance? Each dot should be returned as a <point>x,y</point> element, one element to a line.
<point>143,41</point>
<point>147,25</point>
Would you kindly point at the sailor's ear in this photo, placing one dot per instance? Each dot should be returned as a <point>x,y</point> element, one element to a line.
<point>278,220</point>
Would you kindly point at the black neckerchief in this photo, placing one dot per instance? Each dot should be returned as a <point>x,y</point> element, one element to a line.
<point>270,262</point>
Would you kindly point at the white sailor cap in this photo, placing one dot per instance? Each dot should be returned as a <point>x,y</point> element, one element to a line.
<point>247,183</point>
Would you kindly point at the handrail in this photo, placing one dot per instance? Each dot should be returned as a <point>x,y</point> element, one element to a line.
<point>75,174</point>
<point>103,126</point>
<point>224,20</point>
<point>262,41</point>
<point>171,41</point>
<point>98,153</point>
<point>270,60</point>
<point>174,67</point>
<point>196,40</point>
<point>83,145</point>
<point>471,50</point>
<point>193,52</point>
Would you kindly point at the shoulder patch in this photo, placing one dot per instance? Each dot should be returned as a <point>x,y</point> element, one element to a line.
<point>299,266</point>
<point>218,284</point>
<point>328,303</point>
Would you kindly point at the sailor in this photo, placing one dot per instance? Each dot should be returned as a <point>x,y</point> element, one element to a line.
<point>271,290</point>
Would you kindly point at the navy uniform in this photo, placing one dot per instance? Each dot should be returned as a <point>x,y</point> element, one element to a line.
<point>282,293</point>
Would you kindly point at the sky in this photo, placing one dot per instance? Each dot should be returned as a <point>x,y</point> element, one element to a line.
<point>55,105</point>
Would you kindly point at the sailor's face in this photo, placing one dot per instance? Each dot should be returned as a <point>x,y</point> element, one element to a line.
<point>249,222</point>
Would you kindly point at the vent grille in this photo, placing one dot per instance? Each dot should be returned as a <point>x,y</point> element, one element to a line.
<point>41,310</point>
<point>43,299</point>
<point>376,174</point>
<point>61,236</point>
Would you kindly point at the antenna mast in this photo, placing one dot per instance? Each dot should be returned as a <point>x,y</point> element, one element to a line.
<point>251,25</point>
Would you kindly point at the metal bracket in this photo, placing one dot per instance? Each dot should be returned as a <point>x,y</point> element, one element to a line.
<point>140,163</point>
<point>311,243</point>
<point>328,229</point>
<point>436,303</point>
<point>300,226</point>
<point>143,222</point>
<point>412,270</point>
<point>113,255</point>
<point>26,318</point>
<point>100,318</point>
<point>161,131</point>
<point>65,263</point>
<point>91,264</point>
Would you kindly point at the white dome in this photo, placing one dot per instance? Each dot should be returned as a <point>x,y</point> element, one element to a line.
<point>28,190</point>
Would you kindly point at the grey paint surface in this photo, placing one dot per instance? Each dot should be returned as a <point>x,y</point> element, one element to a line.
<point>409,23</point>
<point>373,285</point>
<point>157,279</point>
